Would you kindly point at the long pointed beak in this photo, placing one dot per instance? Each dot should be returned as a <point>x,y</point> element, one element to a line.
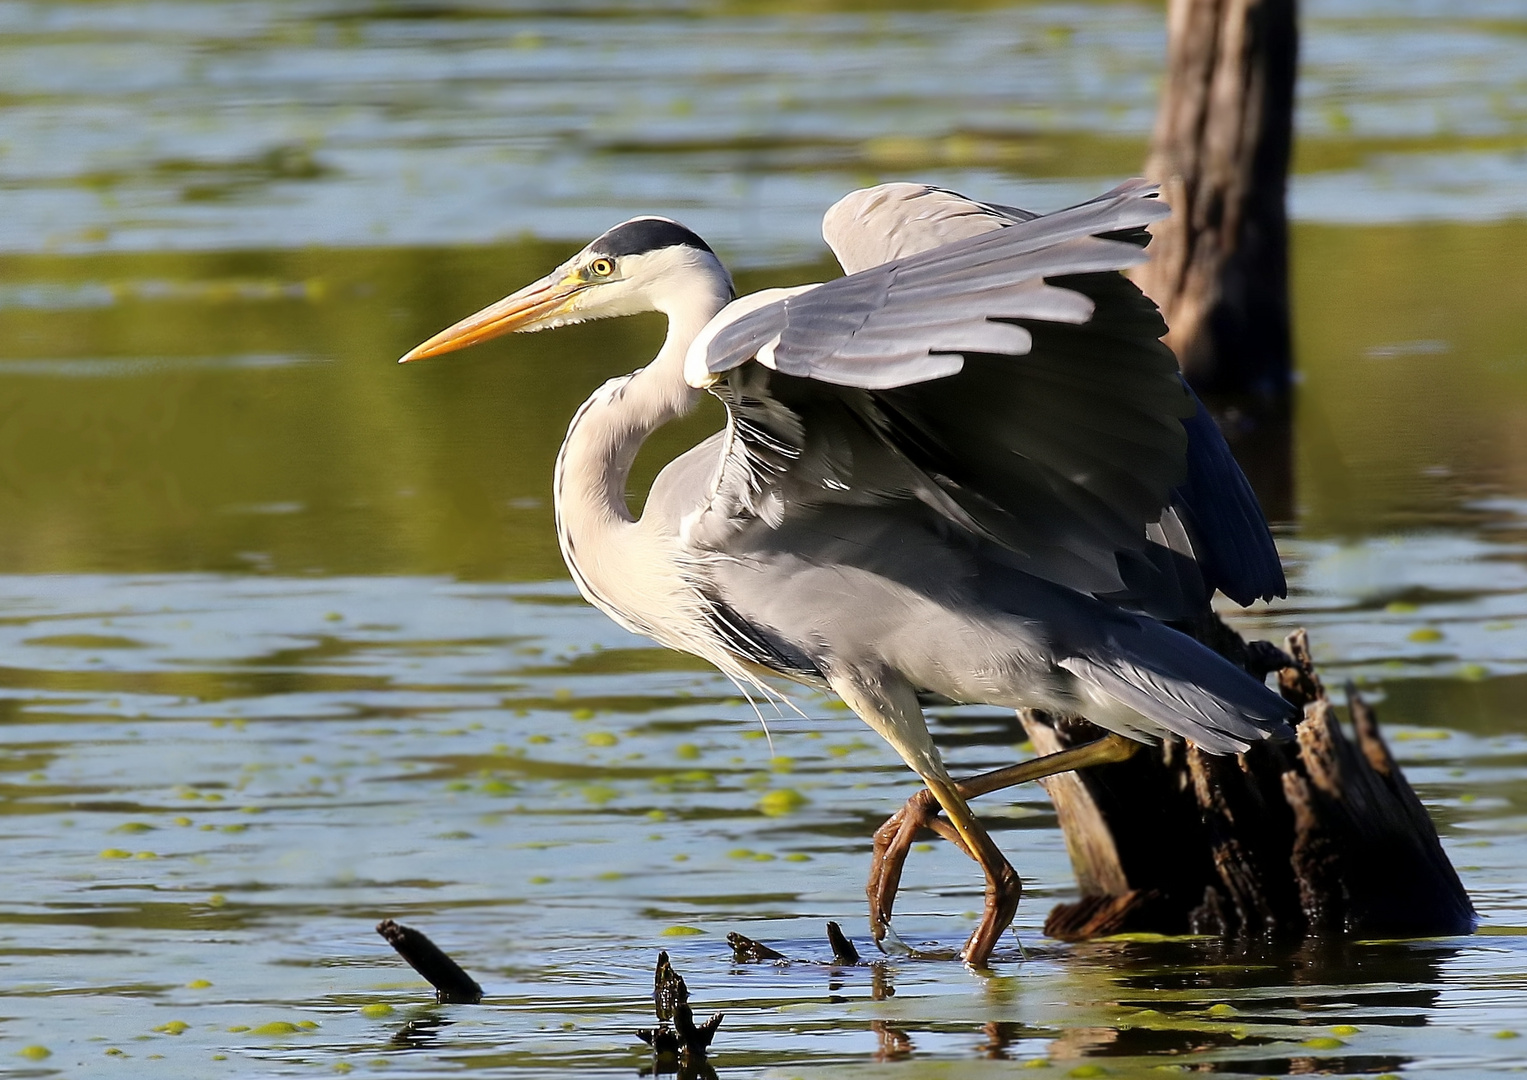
<point>523,310</point>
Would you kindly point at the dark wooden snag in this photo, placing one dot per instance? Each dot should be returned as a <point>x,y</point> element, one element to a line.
<point>843,951</point>
<point>1318,837</point>
<point>1224,128</point>
<point>452,984</point>
<point>681,1048</point>
<point>747,951</point>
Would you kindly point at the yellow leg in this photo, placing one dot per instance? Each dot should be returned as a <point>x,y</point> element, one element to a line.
<point>893,840</point>
<point>888,703</point>
<point>1109,748</point>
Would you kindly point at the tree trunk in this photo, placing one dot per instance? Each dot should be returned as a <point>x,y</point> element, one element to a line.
<point>1319,837</point>
<point>1219,267</point>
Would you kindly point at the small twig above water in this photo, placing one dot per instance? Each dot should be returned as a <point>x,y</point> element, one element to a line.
<point>452,984</point>
<point>843,951</point>
<point>747,951</point>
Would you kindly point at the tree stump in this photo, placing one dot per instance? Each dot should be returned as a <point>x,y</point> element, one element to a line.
<point>1221,147</point>
<point>1320,836</point>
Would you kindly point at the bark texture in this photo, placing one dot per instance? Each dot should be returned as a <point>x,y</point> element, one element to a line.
<point>1318,837</point>
<point>1219,266</point>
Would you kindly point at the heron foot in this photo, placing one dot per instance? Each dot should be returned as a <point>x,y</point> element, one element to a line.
<point>892,844</point>
<point>893,840</point>
<point>1003,889</point>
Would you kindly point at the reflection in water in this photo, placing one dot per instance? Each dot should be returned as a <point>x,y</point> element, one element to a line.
<point>420,1033</point>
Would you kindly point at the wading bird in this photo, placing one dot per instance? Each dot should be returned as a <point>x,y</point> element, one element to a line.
<point>968,468</point>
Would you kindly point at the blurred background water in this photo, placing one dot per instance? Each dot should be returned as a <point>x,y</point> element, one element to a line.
<point>286,645</point>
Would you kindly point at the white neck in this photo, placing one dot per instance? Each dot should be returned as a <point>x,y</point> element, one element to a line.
<point>595,526</point>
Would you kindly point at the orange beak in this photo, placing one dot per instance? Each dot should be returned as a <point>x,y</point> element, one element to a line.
<point>524,310</point>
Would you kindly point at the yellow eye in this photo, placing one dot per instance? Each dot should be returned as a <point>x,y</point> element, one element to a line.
<point>601,267</point>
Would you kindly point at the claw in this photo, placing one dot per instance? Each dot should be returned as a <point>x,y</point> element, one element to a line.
<point>893,843</point>
<point>891,944</point>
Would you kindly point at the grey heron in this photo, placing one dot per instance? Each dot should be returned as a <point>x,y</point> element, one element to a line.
<point>968,467</point>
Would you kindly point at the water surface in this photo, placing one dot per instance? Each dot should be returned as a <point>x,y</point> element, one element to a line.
<point>286,646</point>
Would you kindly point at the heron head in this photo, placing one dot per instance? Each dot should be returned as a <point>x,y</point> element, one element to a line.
<point>645,264</point>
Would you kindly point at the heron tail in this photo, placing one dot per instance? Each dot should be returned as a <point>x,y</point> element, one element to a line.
<point>1183,686</point>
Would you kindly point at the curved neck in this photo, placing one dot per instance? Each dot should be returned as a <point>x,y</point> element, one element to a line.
<point>612,569</point>
<point>608,430</point>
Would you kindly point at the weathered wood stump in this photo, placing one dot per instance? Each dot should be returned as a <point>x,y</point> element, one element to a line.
<point>1320,836</point>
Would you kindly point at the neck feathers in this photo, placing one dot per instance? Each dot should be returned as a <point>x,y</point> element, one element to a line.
<point>630,572</point>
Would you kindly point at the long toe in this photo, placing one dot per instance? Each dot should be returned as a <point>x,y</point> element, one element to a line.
<point>892,844</point>
<point>1003,889</point>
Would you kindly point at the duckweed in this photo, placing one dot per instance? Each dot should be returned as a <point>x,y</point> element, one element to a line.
<point>286,1027</point>
<point>781,801</point>
<point>1324,1042</point>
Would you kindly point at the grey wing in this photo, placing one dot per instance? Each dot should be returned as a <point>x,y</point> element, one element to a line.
<point>1059,446</point>
<point>1216,504</point>
<point>1213,535</point>
<point>876,225</point>
<point>909,321</point>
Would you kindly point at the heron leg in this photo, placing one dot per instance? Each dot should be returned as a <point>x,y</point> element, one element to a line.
<point>888,703</point>
<point>893,840</point>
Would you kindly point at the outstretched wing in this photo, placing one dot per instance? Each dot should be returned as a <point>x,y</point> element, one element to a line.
<point>875,225</point>
<point>1214,534</point>
<point>908,321</point>
<point>1012,381</point>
